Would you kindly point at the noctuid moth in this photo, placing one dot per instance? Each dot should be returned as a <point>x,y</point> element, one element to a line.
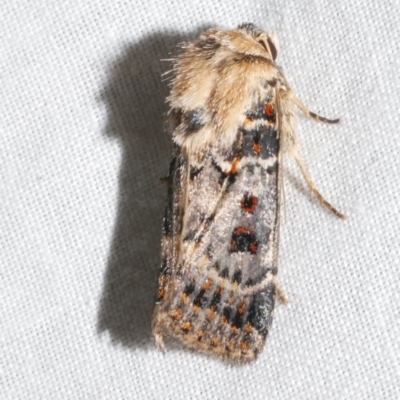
<point>231,119</point>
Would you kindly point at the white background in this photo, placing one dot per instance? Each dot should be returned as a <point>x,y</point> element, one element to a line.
<point>81,151</point>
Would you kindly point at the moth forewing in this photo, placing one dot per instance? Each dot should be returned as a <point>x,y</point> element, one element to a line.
<point>231,119</point>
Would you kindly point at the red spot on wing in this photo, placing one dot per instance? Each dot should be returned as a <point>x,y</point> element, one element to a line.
<point>243,240</point>
<point>241,230</point>
<point>256,148</point>
<point>234,166</point>
<point>270,113</point>
<point>248,203</point>
<point>253,248</point>
<point>269,110</point>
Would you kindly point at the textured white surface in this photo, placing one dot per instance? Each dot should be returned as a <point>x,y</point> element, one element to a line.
<point>81,151</point>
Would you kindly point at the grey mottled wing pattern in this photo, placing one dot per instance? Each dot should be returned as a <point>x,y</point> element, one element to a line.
<point>217,281</point>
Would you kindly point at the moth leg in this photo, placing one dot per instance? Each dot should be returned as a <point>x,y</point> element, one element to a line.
<point>312,187</point>
<point>279,292</point>
<point>311,114</point>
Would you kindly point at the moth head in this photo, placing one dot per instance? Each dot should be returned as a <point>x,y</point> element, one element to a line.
<point>268,40</point>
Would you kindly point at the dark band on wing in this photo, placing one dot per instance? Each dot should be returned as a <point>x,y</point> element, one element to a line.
<point>244,240</point>
<point>258,315</point>
<point>261,142</point>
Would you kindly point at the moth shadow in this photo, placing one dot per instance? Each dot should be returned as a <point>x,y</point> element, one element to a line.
<point>134,95</point>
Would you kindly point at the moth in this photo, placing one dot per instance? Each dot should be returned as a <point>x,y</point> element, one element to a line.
<point>231,116</point>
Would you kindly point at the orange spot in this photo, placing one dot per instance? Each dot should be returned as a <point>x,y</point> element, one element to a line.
<point>253,248</point>
<point>247,327</point>
<point>256,147</point>
<point>229,345</point>
<point>214,342</point>
<point>234,165</point>
<point>160,294</point>
<point>195,308</point>
<point>185,297</point>
<point>233,245</point>
<point>224,319</point>
<point>176,314</point>
<point>244,346</point>
<point>269,110</point>
<point>211,313</point>
<point>242,308</point>
<point>200,335</point>
<point>207,285</point>
<point>187,326</point>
